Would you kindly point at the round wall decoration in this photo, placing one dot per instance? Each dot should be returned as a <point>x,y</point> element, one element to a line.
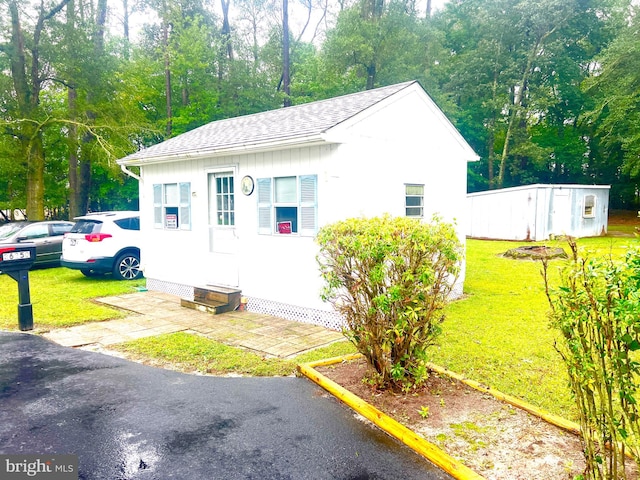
<point>246,185</point>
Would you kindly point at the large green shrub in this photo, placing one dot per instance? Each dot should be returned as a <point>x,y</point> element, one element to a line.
<point>390,278</point>
<point>597,311</point>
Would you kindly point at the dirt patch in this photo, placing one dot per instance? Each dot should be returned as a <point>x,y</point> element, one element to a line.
<point>493,438</point>
<point>535,252</point>
<point>624,217</point>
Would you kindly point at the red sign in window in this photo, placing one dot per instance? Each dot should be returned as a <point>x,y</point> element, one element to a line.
<point>284,227</point>
<point>171,221</point>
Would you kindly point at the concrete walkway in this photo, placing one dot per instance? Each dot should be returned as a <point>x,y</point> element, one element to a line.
<point>155,313</point>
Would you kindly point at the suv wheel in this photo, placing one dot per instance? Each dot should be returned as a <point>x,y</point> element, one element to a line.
<point>127,267</point>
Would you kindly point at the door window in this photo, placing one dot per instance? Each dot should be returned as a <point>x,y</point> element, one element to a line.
<point>225,200</point>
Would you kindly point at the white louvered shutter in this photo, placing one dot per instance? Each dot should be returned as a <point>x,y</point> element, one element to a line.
<point>185,205</point>
<point>157,205</point>
<point>264,206</point>
<point>308,205</point>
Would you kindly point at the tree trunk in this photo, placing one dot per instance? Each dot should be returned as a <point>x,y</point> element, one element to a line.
<point>518,97</point>
<point>125,26</point>
<point>286,81</point>
<point>27,87</point>
<point>371,77</point>
<point>491,156</point>
<point>72,142</point>
<point>255,48</point>
<point>505,149</point>
<point>491,141</point>
<point>34,151</point>
<point>101,19</point>
<point>322,18</point>
<point>19,62</point>
<point>72,136</point>
<point>83,183</point>
<point>167,73</point>
<point>226,28</point>
<point>29,134</point>
<point>309,6</point>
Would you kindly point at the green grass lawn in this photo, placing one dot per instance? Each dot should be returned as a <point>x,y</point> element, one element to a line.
<point>61,298</point>
<point>498,334</point>
<point>187,352</point>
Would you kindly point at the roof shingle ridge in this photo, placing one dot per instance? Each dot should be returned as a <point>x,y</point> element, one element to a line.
<point>296,121</point>
<point>363,93</point>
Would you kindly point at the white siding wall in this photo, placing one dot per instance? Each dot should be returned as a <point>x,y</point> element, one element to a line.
<point>279,268</point>
<point>170,255</point>
<point>404,141</point>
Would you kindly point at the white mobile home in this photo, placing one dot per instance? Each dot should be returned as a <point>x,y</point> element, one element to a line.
<point>538,212</point>
<point>237,202</point>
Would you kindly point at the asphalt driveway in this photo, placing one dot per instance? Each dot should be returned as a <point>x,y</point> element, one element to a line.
<point>130,421</point>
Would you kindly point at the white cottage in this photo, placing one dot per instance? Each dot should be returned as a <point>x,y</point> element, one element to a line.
<point>236,203</point>
<point>538,212</point>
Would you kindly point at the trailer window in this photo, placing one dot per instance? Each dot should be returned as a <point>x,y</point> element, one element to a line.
<point>589,210</point>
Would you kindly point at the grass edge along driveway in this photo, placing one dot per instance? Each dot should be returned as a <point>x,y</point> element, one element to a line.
<point>497,334</point>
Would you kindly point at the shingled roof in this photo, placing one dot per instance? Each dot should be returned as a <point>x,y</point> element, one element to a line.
<point>282,125</point>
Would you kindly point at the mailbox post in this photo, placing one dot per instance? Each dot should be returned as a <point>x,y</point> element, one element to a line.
<point>15,260</point>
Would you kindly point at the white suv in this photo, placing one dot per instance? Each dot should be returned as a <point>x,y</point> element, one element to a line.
<point>104,242</point>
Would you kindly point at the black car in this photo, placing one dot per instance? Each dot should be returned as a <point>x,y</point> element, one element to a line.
<point>46,235</point>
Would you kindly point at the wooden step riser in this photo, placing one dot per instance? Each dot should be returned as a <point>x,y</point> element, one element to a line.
<point>221,308</point>
<point>211,297</point>
<point>214,299</point>
<point>211,288</point>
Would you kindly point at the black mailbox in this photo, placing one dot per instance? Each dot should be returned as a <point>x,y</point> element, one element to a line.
<point>15,260</point>
<point>17,256</point>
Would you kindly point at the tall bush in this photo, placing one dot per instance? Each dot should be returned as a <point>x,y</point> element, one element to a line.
<point>597,310</point>
<point>390,278</point>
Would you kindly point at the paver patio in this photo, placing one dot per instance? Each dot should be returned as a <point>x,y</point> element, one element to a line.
<point>155,313</point>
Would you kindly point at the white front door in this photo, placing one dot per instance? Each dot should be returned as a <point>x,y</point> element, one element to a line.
<point>223,242</point>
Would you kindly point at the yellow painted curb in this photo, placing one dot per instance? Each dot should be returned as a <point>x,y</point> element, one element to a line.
<point>567,425</point>
<point>386,423</point>
<point>410,438</point>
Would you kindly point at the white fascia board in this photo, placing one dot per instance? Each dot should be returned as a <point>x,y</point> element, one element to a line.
<point>311,140</point>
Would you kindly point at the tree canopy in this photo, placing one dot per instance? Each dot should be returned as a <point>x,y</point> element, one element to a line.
<point>545,92</point>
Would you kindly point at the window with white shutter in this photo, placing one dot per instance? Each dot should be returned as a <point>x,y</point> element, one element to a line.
<point>287,205</point>
<point>172,206</point>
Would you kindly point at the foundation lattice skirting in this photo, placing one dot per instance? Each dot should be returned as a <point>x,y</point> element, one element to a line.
<point>323,318</point>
